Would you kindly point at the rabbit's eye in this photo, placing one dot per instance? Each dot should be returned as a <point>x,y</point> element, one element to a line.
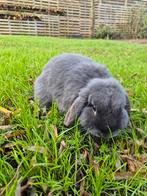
<point>93,108</point>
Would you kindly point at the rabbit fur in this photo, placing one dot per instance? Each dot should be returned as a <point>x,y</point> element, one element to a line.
<point>86,90</point>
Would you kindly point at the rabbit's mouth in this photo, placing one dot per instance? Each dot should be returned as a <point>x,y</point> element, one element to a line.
<point>103,134</point>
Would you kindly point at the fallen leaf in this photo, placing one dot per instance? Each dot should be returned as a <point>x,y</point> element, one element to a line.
<point>84,193</point>
<point>8,147</point>
<point>5,111</point>
<point>30,81</point>
<point>140,142</point>
<point>79,180</point>
<point>143,158</point>
<point>6,115</point>
<point>96,148</point>
<point>123,175</point>
<point>131,165</point>
<point>125,151</point>
<point>39,149</point>
<point>22,187</point>
<point>82,189</point>
<point>130,93</point>
<point>89,159</point>
<point>14,134</point>
<point>85,154</point>
<point>5,127</point>
<point>126,157</point>
<point>62,146</point>
<point>118,164</point>
<point>95,166</point>
<point>55,130</point>
<point>31,98</point>
<point>2,190</point>
<point>140,131</point>
<point>126,175</point>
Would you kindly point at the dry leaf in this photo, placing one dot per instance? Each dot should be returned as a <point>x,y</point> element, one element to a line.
<point>84,157</point>
<point>39,149</point>
<point>118,164</point>
<point>126,157</point>
<point>130,93</point>
<point>62,146</point>
<point>14,134</point>
<point>22,187</point>
<point>127,175</point>
<point>125,151</point>
<point>123,175</point>
<point>143,158</point>
<point>18,190</point>
<point>82,189</point>
<point>95,166</point>
<point>140,131</point>
<point>140,142</point>
<point>30,81</point>
<point>6,115</point>
<point>5,111</point>
<point>55,131</point>
<point>82,184</point>
<point>85,154</point>
<point>8,147</point>
<point>5,127</point>
<point>2,190</point>
<point>96,148</point>
<point>84,193</point>
<point>131,166</point>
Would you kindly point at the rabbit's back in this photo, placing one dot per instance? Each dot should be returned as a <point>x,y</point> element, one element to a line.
<point>65,75</point>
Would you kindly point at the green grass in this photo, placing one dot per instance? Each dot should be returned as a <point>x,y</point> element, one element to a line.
<point>63,172</point>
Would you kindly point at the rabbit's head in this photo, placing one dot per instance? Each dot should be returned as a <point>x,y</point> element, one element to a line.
<point>102,106</point>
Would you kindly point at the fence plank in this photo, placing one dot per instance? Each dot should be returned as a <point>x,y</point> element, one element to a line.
<point>81,18</point>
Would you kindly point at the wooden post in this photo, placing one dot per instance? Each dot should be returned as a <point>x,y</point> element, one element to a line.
<point>92,18</point>
<point>126,2</point>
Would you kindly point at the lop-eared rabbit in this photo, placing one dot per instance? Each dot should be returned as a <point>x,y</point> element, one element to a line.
<point>86,90</point>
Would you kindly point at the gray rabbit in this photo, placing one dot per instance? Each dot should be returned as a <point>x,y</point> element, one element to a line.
<point>85,89</point>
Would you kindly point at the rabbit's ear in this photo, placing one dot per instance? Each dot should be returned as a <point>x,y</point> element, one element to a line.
<point>74,111</point>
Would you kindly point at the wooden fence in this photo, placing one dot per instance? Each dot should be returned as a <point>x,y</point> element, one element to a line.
<point>70,18</point>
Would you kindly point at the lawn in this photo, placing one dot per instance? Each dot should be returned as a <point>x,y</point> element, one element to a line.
<point>38,154</point>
